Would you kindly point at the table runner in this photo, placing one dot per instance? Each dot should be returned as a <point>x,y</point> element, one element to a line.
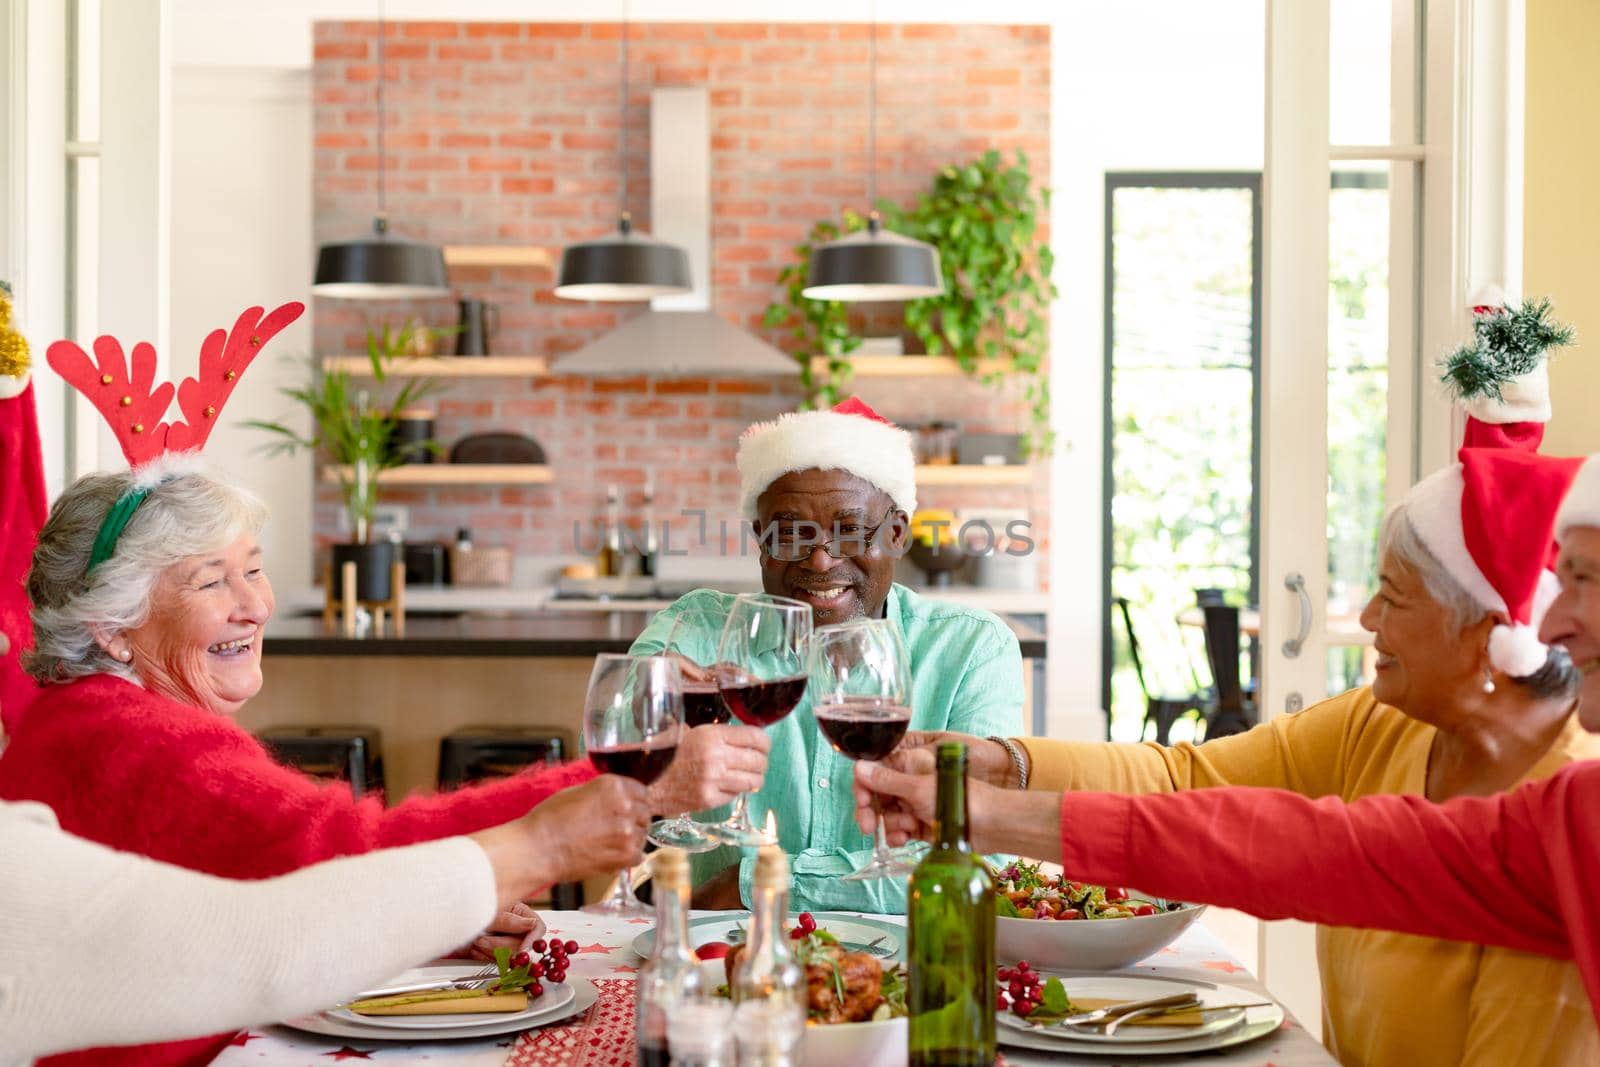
<point>603,1036</point>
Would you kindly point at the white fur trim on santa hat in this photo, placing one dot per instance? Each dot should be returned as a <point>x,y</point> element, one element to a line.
<point>1517,650</point>
<point>169,465</point>
<point>13,384</point>
<point>827,440</point>
<point>1433,507</point>
<point>1523,399</point>
<point>1582,504</point>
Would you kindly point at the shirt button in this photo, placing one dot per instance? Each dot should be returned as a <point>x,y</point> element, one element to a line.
<point>822,783</point>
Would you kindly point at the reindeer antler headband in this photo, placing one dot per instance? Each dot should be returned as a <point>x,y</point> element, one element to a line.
<point>127,395</point>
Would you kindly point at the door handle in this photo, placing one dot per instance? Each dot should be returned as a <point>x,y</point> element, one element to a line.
<point>1296,584</point>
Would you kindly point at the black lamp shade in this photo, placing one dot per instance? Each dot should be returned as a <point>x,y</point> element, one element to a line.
<point>874,264</point>
<point>626,266</point>
<point>380,268</point>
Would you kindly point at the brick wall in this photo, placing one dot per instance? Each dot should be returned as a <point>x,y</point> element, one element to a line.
<point>509,133</point>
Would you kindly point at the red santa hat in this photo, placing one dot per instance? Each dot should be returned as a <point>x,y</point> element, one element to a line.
<point>1582,506</point>
<point>22,504</point>
<point>1490,518</point>
<point>850,437</point>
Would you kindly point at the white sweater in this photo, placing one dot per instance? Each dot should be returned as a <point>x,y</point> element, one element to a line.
<point>107,948</point>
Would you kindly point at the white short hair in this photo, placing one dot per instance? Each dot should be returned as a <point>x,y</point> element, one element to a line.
<point>189,511</point>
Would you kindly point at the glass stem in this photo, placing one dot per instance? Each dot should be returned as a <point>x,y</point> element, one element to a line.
<point>880,850</point>
<point>739,817</point>
<point>625,895</point>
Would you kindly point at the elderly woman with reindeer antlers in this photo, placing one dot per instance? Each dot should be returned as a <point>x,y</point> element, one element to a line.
<point>149,601</point>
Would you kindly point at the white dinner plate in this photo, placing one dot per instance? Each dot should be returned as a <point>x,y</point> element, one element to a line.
<point>854,932</point>
<point>1144,1040</point>
<point>580,997</point>
<point>557,995</point>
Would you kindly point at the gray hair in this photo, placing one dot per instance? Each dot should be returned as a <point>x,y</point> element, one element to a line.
<point>1399,539</point>
<point>187,512</point>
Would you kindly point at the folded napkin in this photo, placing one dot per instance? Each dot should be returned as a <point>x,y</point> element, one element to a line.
<point>1186,1017</point>
<point>443,1002</point>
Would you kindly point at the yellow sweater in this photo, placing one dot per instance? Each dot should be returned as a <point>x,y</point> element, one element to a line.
<point>1389,1000</point>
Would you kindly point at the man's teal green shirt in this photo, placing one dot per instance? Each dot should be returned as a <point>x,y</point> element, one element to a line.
<point>966,672</point>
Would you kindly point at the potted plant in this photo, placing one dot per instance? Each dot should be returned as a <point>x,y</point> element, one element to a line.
<point>358,437</point>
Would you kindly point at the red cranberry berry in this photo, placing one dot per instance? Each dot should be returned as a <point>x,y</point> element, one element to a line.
<point>539,945</point>
<point>521,959</point>
<point>571,947</point>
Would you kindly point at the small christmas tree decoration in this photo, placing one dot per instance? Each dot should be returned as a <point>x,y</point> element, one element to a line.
<point>1503,370</point>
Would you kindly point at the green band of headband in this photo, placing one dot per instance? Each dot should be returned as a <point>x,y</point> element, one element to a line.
<point>116,520</point>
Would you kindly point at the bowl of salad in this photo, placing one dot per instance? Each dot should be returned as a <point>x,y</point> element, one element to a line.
<point>855,1002</point>
<point>1058,922</point>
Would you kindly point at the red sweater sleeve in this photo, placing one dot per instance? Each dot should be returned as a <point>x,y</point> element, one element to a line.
<point>1504,870</point>
<point>144,774</point>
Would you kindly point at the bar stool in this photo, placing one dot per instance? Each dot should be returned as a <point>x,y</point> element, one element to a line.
<point>351,754</point>
<point>484,753</point>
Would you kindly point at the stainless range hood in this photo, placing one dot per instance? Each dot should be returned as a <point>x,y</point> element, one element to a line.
<point>680,335</point>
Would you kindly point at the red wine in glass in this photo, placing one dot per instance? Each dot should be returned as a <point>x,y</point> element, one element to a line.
<point>703,705</point>
<point>762,703</point>
<point>642,763</point>
<point>863,729</point>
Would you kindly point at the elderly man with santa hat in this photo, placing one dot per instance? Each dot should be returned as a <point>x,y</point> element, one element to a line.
<point>849,476</point>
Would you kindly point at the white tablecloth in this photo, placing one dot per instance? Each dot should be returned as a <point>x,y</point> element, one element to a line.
<point>604,955</point>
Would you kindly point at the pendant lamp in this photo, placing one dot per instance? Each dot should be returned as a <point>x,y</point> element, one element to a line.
<point>380,267</point>
<point>875,263</point>
<point>629,265</point>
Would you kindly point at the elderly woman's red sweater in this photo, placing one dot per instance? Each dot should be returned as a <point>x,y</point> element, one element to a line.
<point>142,773</point>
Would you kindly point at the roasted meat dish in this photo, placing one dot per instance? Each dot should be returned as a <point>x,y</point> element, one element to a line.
<point>860,974</point>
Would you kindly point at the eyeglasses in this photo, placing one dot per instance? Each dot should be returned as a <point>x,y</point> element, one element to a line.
<point>782,542</point>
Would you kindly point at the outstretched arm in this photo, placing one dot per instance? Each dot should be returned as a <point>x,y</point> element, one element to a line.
<point>1500,870</point>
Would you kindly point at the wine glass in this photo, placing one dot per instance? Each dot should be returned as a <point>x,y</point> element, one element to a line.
<point>693,637</point>
<point>632,718</point>
<point>860,684</point>
<point>761,674</point>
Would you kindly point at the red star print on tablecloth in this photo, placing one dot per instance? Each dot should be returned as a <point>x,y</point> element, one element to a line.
<point>625,970</point>
<point>640,922</point>
<point>1225,966</point>
<point>604,950</point>
<point>348,1053</point>
<point>243,1038</point>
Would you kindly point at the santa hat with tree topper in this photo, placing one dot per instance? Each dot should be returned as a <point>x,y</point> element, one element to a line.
<point>22,502</point>
<point>850,437</point>
<point>128,397</point>
<point>1490,518</point>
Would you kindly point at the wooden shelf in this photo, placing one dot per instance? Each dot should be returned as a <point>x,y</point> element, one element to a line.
<point>450,474</point>
<point>497,256</point>
<point>907,366</point>
<point>445,366</point>
<point>974,474</point>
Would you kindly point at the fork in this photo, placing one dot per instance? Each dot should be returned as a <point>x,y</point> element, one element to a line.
<point>1148,1013</point>
<point>1118,1011</point>
<point>465,982</point>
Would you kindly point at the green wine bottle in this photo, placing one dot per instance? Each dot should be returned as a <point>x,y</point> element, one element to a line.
<point>951,919</point>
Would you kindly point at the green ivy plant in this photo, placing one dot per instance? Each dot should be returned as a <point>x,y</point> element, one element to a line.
<point>817,327</point>
<point>983,217</point>
<point>350,429</point>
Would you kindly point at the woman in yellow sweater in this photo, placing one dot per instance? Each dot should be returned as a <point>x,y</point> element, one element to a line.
<point>1439,720</point>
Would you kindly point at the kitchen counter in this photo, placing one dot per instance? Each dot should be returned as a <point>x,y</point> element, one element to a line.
<point>548,633</point>
<point>543,599</point>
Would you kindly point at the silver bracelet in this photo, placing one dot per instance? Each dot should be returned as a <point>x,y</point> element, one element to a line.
<point>1016,758</point>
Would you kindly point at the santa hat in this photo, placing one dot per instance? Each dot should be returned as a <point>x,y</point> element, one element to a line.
<point>22,504</point>
<point>1582,506</point>
<point>1490,518</point>
<point>850,437</point>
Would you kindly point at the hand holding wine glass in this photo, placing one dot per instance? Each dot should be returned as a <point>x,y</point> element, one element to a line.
<point>860,684</point>
<point>632,720</point>
<point>702,706</point>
